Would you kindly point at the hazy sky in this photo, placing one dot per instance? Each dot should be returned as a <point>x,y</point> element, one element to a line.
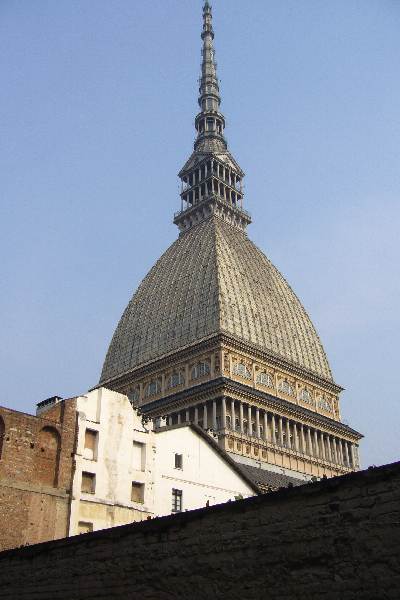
<point>97,103</point>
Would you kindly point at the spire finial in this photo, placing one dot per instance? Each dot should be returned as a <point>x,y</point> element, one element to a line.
<point>211,178</point>
<point>209,96</point>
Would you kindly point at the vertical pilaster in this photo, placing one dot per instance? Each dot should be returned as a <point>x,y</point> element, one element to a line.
<point>205,422</point>
<point>280,431</point>
<point>233,415</point>
<point>196,415</point>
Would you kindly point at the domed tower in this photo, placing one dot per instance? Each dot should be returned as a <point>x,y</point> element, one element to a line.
<point>214,335</point>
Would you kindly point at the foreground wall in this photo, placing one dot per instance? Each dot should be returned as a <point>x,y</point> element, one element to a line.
<point>336,539</point>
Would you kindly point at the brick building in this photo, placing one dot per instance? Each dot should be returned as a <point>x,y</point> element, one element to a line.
<point>35,474</point>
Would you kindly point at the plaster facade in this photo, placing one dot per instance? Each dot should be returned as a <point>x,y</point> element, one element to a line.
<point>114,451</point>
<point>189,463</point>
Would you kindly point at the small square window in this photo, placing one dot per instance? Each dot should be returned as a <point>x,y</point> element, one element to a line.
<point>88,485</point>
<point>138,456</point>
<point>178,461</point>
<point>90,450</point>
<point>137,493</point>
<point>176,501</point>
<point>85,527</point>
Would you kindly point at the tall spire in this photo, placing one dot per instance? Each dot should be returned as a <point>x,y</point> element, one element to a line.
<point>211,178</point>
<point>209,95</point>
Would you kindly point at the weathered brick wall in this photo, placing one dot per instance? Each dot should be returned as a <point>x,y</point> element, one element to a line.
<point>337,539</point>
<point>35,474</point>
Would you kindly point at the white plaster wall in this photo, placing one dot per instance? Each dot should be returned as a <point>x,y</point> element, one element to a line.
<point>118,426</point>
<point>205,474</point>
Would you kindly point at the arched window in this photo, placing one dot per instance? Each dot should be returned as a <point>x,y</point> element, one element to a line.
<point>200,370</point>
<point>241,370</point>
<point>2,430</point>
<point>48,456</point>
<point>306,396</point>
<point>265,379</point>
<point>176,379</point>
<point>153,388</point>
<point>286,388</point>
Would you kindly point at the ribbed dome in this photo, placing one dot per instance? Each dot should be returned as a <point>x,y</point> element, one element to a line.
<point>213,279</point>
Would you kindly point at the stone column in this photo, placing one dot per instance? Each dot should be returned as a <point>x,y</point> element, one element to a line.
<point>295,438</point>
<point>265,426</point>
<point>328,448</point>
<point>214,415</point>
<point>346,453</point>
<point>303,440</point>
<point>273,426</point>
<point>288,442</point>
<point>316,448</point>
<point>187,419</point>
<point>340,450</point>
<point>169,420</point>
<point>233,415</point>
<point>334,452</point>
<point>179,418</point>
<point>249,423</point>
<point>241,417</point>
<point>205,423</point>
<point>258,423</point>
<point>223,412</point>
<point>322,439</point>
<point>196,415</point>
<point>356,458</point>
<point>280,432</point>
<point>310,448</point>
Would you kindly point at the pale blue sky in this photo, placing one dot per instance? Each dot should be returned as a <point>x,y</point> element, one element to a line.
<point>97,102</point>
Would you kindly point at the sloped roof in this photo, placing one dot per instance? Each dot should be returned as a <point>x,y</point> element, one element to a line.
<point>213,279</point>
<point>269,481</point>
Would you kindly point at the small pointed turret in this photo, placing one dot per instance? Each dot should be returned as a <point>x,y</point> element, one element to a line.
<point>211,178</point>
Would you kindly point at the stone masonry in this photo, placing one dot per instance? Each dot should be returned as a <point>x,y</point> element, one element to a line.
<point>335,539</point>
<point>35,474</point>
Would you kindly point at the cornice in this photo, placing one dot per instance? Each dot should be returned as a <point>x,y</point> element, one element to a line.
<point>224,386</point>
<point>210,343</point>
